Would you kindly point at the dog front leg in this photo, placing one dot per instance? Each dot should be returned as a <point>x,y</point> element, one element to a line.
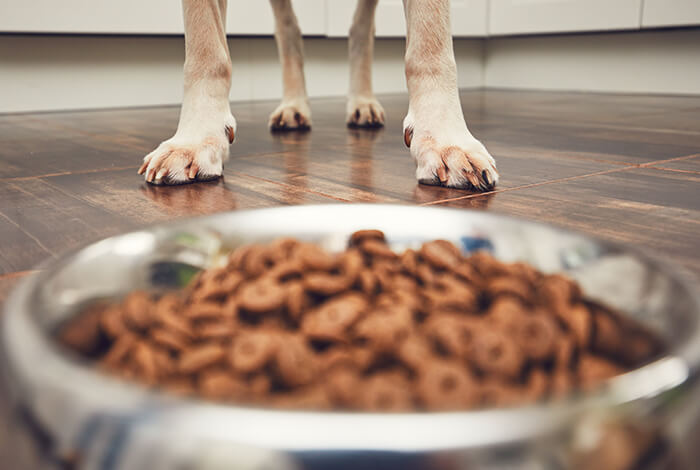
<point>446,153</point>
<point>201,143</point>
<point>363,109</point>
<point>293,113</point>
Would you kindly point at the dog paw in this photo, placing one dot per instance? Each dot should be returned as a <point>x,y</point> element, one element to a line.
<point>448,155</point>
<point>189,156</point>
<point>364,112</point>
<point>291,116</point>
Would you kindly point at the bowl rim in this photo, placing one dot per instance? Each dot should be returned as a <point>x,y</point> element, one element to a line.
<point>334,430</point>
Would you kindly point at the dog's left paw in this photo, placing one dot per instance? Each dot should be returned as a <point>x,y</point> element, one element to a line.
<point>291,116</point>
<point>446,154</point>
<point>364,112</point>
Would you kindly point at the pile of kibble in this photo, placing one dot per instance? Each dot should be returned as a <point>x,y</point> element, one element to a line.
<point>289,325</point>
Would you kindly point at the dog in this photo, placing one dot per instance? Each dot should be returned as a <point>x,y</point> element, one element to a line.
<point>444,150</point>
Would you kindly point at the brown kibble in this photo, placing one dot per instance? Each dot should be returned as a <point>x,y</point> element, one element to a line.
<point>200,357</point>
<point>593,369</point>
<point>378,248</point>
<point>447,385</point>
<point>287,324</point>
<point>441,254</point>
<point>261,296</point>
<point>252,350</point>
<point>221,384</point>
<point>326,284</point>
<point>608,338</point>
<point>119,351</point>
<point>314,258</point>
<point>111,322</point>
<point>145,363</point>
<point>83,334</point>
<point>578,320</point>
<point>332,318</point>
<point>496,393</point>
<point>492,352</point>
<point>137,311</point>
<point>296,299</point>
<point>168,339</point>
<point>204,311</point>
<point>368,282</point>
<point>295,361</point>
<point>386,392</point>
<point>536,336</point>
<point>509,285</point>
<point>342,385</point>
<point>362,235</point>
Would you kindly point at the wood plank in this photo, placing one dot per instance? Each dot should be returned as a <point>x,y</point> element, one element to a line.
<point>654,210</point>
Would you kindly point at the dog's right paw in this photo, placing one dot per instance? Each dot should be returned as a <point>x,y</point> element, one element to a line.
<point>187,159</point>
<point>291,116</point>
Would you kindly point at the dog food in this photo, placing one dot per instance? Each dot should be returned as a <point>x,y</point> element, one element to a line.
<point>289,325</point>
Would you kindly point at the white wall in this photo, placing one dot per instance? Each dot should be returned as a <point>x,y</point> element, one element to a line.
<point>77,72</point>
<point>641,62</point>
<point>57,72</point>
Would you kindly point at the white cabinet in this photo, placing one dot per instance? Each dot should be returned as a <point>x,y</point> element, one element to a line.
<point>251,17</point>
<point>554,16</point>
<point>670,13</point>
<point>254,17</point>
<point>468,18</point>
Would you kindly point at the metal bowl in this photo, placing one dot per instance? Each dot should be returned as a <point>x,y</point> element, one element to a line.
<point>72,414</point>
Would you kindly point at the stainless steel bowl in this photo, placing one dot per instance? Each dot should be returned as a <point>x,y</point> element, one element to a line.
<point>73,415</point>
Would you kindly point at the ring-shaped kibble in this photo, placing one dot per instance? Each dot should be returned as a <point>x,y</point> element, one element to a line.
<point>498,394</point>
<point>251,350</point>
<point>578,320</point>
<point>176,324</point>
<point>119,351</point>
<point>409,261</point>
<point>608,338</point>
<point>466,273</point>
<point>221,384</point>
<point>314,258</point>
<point>368,282</point>
<point>386,392</point>
<point>377,248</point>
<point>261,296</point>
<point>494,353</point>
<point>415,352</point>
<point>112,322</point>
<point>199,357</point>
<point>361,235</point>
<point>296,299</point>
<point>254,263</point>
<point>171,340</point>
<point>440,254</point>
<point>205,310</point>
<point>341,385</point>
<point>145,363</point>
<point>447,385</point>
<point>327,284</point>
<point>509,286</point>
<point>332,318</point>
<point>536,336</point>
<point>138,307</point>
<point>295,362</point>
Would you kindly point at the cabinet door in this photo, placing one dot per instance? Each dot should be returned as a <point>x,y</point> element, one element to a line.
<point>553,16</point>
<point>468,18</point>
<point>255,17</point>
<point>145,17</point>
<point>670,13</point>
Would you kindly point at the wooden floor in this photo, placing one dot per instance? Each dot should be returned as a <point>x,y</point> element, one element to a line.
<point>626,168</point>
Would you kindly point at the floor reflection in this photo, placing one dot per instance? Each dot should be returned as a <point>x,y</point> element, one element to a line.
<point>192,199</point>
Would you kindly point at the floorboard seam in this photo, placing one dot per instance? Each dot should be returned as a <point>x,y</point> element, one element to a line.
<point>278,183</point>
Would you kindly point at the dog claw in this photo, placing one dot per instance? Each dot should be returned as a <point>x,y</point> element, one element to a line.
<point>408,136</point>
<point>230,134</point>
<point>442,174</point>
